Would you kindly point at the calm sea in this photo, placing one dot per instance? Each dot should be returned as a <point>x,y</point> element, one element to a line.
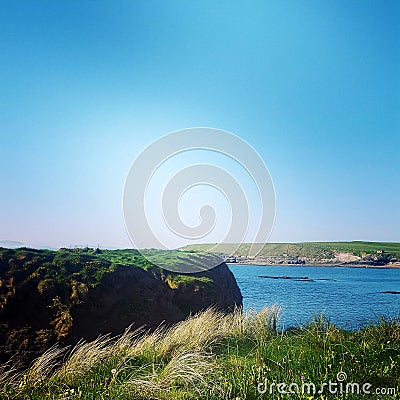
<point>348,297</point>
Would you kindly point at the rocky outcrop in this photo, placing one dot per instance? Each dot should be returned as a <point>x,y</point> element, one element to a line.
<point>43,301</point>
<point>222,292</point>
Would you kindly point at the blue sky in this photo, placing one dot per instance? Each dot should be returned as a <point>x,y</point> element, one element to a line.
<point>314,86</point>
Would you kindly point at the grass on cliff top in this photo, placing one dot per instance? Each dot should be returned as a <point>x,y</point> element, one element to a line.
<point>89,265</point>
<point>310,250</point>
<point>216,356</point>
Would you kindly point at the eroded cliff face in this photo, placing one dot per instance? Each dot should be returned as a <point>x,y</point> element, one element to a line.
<point>222,291</point>
<point>38,308</point>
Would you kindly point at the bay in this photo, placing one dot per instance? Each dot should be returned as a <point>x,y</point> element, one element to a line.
<point>348,297</point>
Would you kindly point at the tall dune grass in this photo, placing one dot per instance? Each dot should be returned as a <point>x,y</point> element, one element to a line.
<point>210,355</point>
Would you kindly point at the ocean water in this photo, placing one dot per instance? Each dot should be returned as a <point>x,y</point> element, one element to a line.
<point>348,297</point>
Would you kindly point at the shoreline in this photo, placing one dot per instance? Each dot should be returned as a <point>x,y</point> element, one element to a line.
<point>330,265</point>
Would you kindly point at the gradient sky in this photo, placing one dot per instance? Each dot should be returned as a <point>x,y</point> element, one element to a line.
<point>314,86</point>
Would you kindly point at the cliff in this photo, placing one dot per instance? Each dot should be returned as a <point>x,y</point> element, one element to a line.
<point>63,296</point>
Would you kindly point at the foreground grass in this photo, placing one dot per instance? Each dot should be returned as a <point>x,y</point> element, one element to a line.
<point>214,356</point>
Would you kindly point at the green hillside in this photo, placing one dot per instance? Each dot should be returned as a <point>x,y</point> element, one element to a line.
<point>310,250</point>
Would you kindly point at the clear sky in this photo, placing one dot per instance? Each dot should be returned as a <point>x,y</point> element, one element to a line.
<point>314,86</point>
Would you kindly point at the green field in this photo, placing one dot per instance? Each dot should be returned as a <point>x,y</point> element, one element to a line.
<point>309,250</point>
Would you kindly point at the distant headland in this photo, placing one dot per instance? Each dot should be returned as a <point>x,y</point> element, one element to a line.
<point>345,254</point>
